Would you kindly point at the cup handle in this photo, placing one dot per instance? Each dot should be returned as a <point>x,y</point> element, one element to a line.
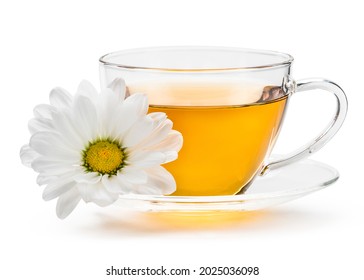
<point>319,141</point>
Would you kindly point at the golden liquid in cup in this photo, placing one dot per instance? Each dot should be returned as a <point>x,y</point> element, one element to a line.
<point>223,146</point>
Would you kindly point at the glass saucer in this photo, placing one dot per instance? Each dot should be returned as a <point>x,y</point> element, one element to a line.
<point>276,187</point>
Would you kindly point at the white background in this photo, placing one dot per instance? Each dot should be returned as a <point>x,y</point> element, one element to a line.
<point>57,43</point>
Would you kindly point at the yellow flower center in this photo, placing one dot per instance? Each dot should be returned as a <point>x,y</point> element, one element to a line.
<point>104,157</point>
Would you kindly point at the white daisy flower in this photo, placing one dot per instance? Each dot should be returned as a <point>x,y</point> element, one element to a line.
<point>95,146</point>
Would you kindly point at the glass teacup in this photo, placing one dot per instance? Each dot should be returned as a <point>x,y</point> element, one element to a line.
<point>228,103</point>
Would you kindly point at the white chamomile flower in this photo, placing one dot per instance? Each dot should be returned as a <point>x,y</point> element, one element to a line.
<point>95,146</point>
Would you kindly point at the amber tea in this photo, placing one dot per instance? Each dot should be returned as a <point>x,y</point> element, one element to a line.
<point>224,145</point>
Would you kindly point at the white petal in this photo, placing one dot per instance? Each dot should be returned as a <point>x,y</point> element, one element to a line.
<point>85,118</point>
<point>170,156</point>
<point>118,87</point>
<point>85,88</point>
<point>116,127</point>
<point>145,159</point>
<point>158,117</point>
<point>113,184</point>
<point>57,189</point>
<point>52,167</point>
<point>132,109</point>
<point>161,180</point>
<point>173,142</point>
<point>134,176</point>
<point>96,193</point>
<point>43,179</point>
<point>88,177</point>
<point>158,134</point>
<point>63,124</point>
<point>124,184</point>
<point>39,124</point>
<point>140,130</point>
<point>124,117</point>
<point>28,155</point>
<point>67,202</point>
<point>111,97</point>
<point>138,102</point>
<point>60,98</point>
<point>49,144</point>
<point>44,111</point>
<point>108,105</point>
<point>48,178</point>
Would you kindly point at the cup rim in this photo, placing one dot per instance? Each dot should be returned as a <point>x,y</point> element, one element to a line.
<point>285,59</point>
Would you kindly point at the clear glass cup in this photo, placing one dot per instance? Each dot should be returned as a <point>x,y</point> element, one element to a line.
<point>228,103</point>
